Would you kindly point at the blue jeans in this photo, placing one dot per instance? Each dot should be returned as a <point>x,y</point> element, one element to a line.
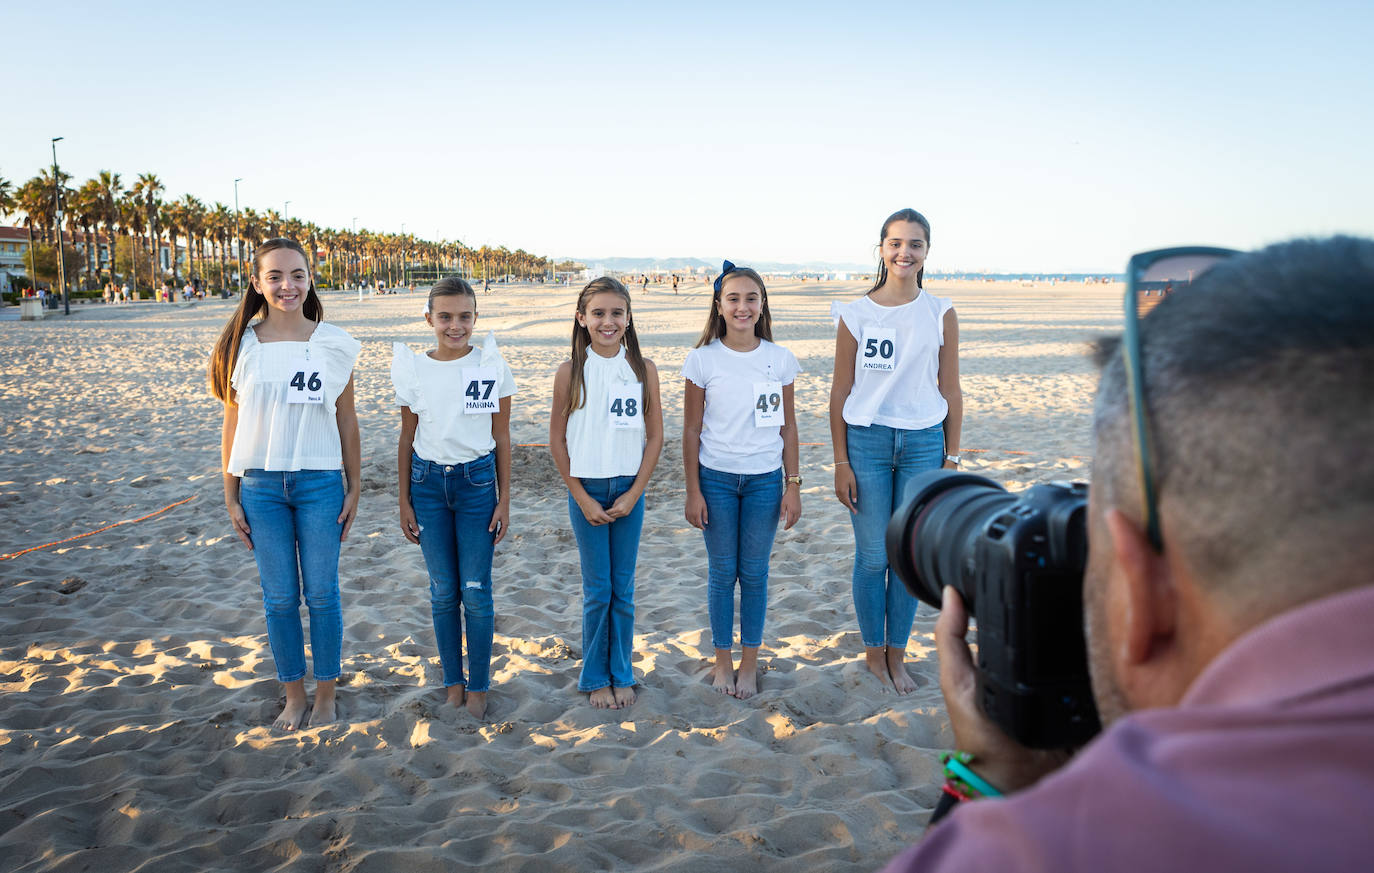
<point>741,520</point>
<point>608,553</point>
<point>884,460</point>
<point>453,504</point>
<point>294,520</point>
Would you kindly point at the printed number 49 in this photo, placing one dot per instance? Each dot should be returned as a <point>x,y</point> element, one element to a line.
<point>629,409</point>
<point>773,400</point>
<point>300,383</point>
<point>882,350</point>
<point>480,390</point>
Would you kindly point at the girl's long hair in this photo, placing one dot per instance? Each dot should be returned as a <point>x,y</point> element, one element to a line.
<point>715,322</point>
<point>581,338</point>
<point>226,353</point>
<point>450,286</point>
<point>900,215</point>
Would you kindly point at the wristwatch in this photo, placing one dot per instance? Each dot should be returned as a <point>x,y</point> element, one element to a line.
<point>795,480</point>
<point>953,459</point>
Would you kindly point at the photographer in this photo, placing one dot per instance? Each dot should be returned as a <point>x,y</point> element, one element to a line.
<point>1232,658</point>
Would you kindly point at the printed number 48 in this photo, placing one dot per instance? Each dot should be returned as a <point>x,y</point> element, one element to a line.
<point>769,402</point>
<point>480,390</point>
<point>300,383</point>
<point>874,348</point>
<point>629,409</point>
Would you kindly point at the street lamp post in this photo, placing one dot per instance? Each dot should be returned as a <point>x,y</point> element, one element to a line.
<point>238,240</point>
<point>57,220</point>
<point>405,265</point>
<point>287,216</point>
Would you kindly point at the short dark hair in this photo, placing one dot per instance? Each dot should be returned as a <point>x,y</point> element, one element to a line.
<point>1259,383</point>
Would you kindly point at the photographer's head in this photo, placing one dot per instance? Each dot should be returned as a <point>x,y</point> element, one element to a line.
<point>1259,386</point>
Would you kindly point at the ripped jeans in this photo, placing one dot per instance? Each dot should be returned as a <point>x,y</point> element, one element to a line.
<point>453,504</point>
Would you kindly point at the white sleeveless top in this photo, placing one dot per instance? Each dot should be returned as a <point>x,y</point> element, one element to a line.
<point>908,396</point>
<point>597,450</point>
<point>433,390</point>
<point>273,434</point>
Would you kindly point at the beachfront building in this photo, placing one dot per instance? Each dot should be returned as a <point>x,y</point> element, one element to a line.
<point>14,254</point>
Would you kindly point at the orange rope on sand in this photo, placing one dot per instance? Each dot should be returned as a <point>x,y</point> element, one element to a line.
<point>97,530</point>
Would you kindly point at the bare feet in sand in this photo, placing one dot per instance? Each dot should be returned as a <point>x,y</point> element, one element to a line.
<point>324,711</point>
<point>875,658</point>
<point>747,684</point>
<point>723,673</point>
<point>293,714</point>
<point>477,704</point>
<point>896,668</point>
<point>624,696</point>
<point>603,698</point>
<point>456,695</point>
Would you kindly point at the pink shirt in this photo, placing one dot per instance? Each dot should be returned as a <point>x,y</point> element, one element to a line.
<point>1267,764</point>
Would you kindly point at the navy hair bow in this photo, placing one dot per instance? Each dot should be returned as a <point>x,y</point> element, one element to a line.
<point>726,268</point>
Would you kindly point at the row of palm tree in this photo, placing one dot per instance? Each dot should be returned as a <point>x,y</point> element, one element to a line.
<point>104,209</point>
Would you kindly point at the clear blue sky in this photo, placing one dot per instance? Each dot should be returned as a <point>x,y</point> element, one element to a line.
<point>1051,136</point>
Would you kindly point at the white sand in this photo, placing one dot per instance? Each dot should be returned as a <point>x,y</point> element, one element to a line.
<point>134,735</point>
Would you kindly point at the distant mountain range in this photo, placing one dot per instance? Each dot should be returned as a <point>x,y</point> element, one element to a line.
<point>667,265</point>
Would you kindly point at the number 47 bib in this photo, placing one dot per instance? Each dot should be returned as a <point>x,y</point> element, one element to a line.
<point>305,384</point>
<point>479,390</point>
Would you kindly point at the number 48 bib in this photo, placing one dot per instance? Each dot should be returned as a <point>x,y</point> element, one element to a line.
<point>305,384</point>
<point>625,406</point>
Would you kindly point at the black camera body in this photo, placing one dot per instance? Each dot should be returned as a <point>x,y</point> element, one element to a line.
<point>1017,560</point>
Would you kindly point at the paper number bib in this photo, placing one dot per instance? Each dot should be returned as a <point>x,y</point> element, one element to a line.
<point>305,382</point>
<point>626,406</point>
<point>768,404</point>
<point>479,391</point>
<point>878,351</point>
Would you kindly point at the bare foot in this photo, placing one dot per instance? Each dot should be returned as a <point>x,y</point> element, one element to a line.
<point>477,704</point>
<point>293,714</point>
<point>603,698</point>
<point>624,696</point>
<point>875,658</point>
<point>747,684</point>
<point>723,673</point>
<point>896,668</point>
<point>456,694</point>
<point>324,711</point>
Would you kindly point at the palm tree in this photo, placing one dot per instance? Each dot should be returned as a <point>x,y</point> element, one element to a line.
<point>272,223</point>
<point>110,189</point>
<point>85,206</point>
<point>221,224</point>
<point>7,201</point>
<point>169,222</point>
<point>147,189</point>
<point>131,219</point>
<point>193,216</point>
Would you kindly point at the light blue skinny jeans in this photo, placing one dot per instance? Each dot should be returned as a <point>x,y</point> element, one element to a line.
<point>741,521</point>
<point>608,553</point>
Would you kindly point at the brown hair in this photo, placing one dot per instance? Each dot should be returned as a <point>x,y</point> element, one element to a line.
<point>450,286</point>
<point>226,353</point>
<point>581,338</point>
<point>900,215</point>
<point>715,322</point>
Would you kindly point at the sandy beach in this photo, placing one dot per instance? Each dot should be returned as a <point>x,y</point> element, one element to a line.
<point>138,686</point>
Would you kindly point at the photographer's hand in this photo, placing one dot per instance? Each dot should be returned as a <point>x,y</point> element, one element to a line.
<point>999,759</point>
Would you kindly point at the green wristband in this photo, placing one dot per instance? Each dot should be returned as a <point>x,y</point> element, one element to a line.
<point>956,769</point>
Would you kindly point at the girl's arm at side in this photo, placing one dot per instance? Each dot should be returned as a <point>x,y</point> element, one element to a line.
<point>841,383</point>
<point>231,482</point>
<point>949,386</point>
<point>500,432</point>
<point>346,416</point>
<point>653,443</point>
<point>405,446</point>
<point>791,462</point>
<point>558,446</point>
<point>693,408</point>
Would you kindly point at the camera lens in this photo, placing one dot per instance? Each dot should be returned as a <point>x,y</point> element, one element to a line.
<point>931,540</point>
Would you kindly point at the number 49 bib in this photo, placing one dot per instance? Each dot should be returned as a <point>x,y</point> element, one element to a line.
<point>305,384</point>
<point>768,404</point>
<point>479,391</point>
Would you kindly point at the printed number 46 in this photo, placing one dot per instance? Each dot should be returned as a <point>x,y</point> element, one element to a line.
<point>882,350</point>
<point>769,402</point>
<point>300,383</point>
<point>480,390</point>
<point>629,409</point>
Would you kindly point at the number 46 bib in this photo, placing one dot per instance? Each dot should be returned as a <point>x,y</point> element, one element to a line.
<point>305,384</point>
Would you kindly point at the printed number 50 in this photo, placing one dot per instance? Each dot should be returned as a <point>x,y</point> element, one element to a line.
<point>873,348</point>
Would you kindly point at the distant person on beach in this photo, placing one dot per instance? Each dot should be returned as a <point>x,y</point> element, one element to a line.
<point>453,461</point>
<point>1229,649</point>
<point>740,456</point>
<point>896,410</point>
<point>290,428</point>
<point>124,292</point>
<point>675,283</point>
<point>606,433</point>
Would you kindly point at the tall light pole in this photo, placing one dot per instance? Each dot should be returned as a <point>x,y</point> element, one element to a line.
<point>57,220</point>
<point>405,266</point>
<point>287,217</point>
<point>360,260</point>
<point>238,240</point>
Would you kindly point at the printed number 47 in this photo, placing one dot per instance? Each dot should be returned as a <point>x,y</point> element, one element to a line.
<point>480,390</point>
<point>769,402</point>
<point>300,383</point>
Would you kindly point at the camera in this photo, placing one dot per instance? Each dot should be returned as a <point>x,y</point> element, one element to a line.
<point>1017,560</point>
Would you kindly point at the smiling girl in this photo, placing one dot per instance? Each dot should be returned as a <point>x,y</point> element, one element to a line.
<point>739,453</point>
<point>895,410</point>
<point>606,432</point>
<point>286,382</point>
<point>453,462</point>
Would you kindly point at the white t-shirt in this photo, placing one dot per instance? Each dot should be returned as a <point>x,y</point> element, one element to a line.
<point>897,366</point>
<point>440,391</point>
<point>273,433</point>
<point>597,448</point>
<point>731,441</point>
